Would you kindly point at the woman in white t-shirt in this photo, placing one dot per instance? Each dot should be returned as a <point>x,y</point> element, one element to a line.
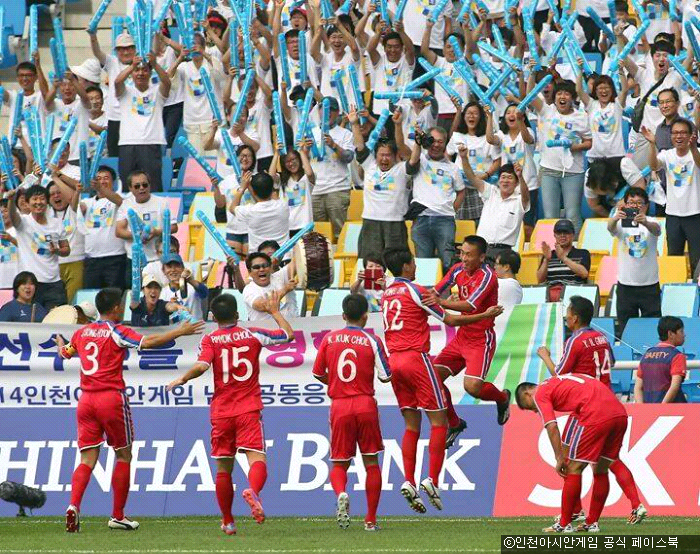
<point>296,180</point>
<point>562,166</point>
<point>517,145</point>
<point>469,129</point>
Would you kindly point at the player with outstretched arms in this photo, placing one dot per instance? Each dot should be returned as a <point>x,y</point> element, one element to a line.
<point>415,381</point>
<point>588,352</point>
<point>233,353</point>
<point>103,407</point>
<point>346,362</point>
<point>602,423</point>
<point>474,345</point>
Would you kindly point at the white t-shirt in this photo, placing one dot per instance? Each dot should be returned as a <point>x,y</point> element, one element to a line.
<point>228,187</point>
<point>68,218</point>
<point>34,251</point>
<point>645,78</point>
<point>385,192</point>
<point>332,175</point>
<point>606,129</point>
<point>252,291</point>
<point>142,116</point>
<point>510,293</point>
<point>298,195</point>
<point>258,125</point>
<point>637,264</point>
<point>415,16</point>
<point>192,302</point>
<point>151,213</point>
<point>518,151</point>
<point>682,183</point>
<point>410,118</point>
<point>389,76</point>
<point>64,112</point>
<point>329,67</point>
<point>196,109</point>
<point>481,153</point>
<point>500,217</point>
<point>573,127</point>
<point>166,61</point>
<point>223,163</point>
<point>9,258</point>
<point>93,137</point>
<point>113,67</point>
<point>97,224</point>
<point>436,185</point>
<point>295,71</point>
<point>36,100</point>
<point>268,220</point>
<point>445,105</point>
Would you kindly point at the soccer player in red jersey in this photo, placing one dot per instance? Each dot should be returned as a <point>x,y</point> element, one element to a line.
<point>415,382</point>
<point>602,422</point>
<point>346,362</point>
<point>588,352</point>
<point>236,407</point>
<point>103,407</point>
<point>474,345</point>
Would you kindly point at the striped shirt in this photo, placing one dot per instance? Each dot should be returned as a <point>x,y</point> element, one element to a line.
<point>559,273</point>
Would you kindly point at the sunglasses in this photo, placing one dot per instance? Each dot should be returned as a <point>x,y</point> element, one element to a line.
<point>138,186</point>
<point>258,267</point>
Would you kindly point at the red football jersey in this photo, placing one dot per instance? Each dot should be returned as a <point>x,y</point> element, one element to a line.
<point>588,399</point>
<point>234,354</point>
<point>406,317</point>
<point>588,352</point>
<point>101,347</point>
<point>480,289</point>
<point>349,357</point>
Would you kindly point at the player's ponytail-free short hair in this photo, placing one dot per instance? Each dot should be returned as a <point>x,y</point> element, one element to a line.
<point>669,324</point>
<point>355,306</point>
<point>224,308</point>
<point>583,308</point>
<point>479,242</point>
<point>520,393</point>
<point>108,299</point>
<point>396,258</point>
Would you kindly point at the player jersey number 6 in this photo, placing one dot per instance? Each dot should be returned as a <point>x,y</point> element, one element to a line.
<point>235,363</point>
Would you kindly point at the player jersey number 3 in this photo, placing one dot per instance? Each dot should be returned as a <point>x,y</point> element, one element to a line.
<point>91,353</point>
<point>227,365</point>
<point>396,325</point>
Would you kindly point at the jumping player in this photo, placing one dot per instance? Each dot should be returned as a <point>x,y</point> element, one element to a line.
<point>601,426</point>
<point>103,407</point>
<point>346,362</point>
<point>236,418</point>
<point>474,345</point>
<point>415,382</point>
<point>588,352</point>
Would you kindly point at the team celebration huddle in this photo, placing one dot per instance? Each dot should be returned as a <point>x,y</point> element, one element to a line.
<point>295,148</point>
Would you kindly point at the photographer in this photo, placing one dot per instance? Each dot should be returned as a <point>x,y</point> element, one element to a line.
<point>438,191</point>
<point>638,291</point>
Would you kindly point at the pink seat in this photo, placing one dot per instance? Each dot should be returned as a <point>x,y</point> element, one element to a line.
<point>183,237</point>
<point>607,274</point>
<point>175,205</point>
<point>194,176</point>
<point>544,231</point>
<point>5,296</point>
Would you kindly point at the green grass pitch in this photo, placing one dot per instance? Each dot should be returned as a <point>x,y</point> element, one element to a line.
<point>279,535</point>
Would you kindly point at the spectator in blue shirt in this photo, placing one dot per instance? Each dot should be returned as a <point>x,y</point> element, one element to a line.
<point>22,308</point>
<point>151,311</point>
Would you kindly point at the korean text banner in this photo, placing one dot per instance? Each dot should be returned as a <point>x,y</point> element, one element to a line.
<point>32,374</point>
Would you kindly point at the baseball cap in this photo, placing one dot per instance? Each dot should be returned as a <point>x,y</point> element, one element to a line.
<point>124,41</point>
<point>564,226</point>
<point>149,280</point>
<point>88,308</point>
<point>301,10</point>
<point>171,258</point>
<point>333,103</point>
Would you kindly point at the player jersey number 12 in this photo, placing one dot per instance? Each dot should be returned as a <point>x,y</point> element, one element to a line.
<point>396,325</point>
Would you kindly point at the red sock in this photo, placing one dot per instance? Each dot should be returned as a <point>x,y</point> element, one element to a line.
<point>409,447</point>
<point>373,486</point>
<point>224,495</point>
<point>120,488</point>
<point>81,478</point>
<point>452,417</point>
<point>490,392</point>
<point>339,478</point>
<point>601,487</point>
<point>257,475</point>
<point>626,482</point>
<point>436,449</point>
<point>569,494</point>
<point>577,506</point>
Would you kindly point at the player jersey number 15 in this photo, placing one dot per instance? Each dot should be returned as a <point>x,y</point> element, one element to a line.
<point>394,305</point>
<point>227,364</point>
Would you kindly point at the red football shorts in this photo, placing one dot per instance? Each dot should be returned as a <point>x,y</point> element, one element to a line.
<point>354,421</point>
<point>473,350</point>
<point>589,443</point>
<point>415,382</point>
<point>104,413</point>
<point>569,428</point>
<point>241,432</point>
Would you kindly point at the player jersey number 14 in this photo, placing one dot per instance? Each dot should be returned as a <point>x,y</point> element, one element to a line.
<point>227,365</point>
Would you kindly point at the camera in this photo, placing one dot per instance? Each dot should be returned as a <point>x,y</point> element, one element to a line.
<point>424,141</point>
<point>630,214</point>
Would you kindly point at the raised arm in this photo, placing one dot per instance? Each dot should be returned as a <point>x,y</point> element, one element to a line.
<point>477,182</point>
<point>96,51</point>
<point>165,84</point>
<point>425,50</point>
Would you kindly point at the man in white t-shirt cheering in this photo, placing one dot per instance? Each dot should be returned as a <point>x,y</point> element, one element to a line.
<point>142,134</point>
<point>40,242</point>
<point>263,282</point>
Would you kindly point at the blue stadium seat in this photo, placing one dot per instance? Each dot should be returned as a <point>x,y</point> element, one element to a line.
<point>536,294</point>
<point>329,302</point>
<point>242,310</point>
<point>621,381</point>
<point>595,60</point>
<point>587,291</point>
<point>691,386</point>
<point>605,325</point>
<point>85,295</point>
<point>301,302</point>
<point>640,333</point>
<point>680,300</point>
<point>167,173</point>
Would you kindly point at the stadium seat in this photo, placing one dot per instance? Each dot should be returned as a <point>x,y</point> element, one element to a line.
<point>595,238</point>
<point>329,302</point>
<point>183,237</point>
<point>605,325</point>
<point>5,296</point>
<point>463,228</point>
<point>325,228</point>
<point>174,203</point>
<point>347,245</point>
<point>301,301</point>
<point>611,304</point>
<point>356,205</point>
<point>411,246</point>
<point>192,176</point>
<point>536,294</point>
<point>672,269</point>
<point>528,270</point>
<point>202,201</point>
<point>208,248</point>
<point>242,310</point>
<point>543,232</point>
<point>622,382</point>
<point>691,386</point>
<point>587,291</point>
<point>606,277</point>
<point>166,174</point>
<point>178,151</point>
<point>640,334</point>
<point>595,60</point>
<point>85,295</point>
<point>338,274</point>
<point>428,271</point>
<point>680,300</point>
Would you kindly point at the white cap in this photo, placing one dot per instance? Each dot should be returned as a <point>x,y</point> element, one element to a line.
<point>148,279</point>
<point>124,41</point>
<point>88,308</point>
